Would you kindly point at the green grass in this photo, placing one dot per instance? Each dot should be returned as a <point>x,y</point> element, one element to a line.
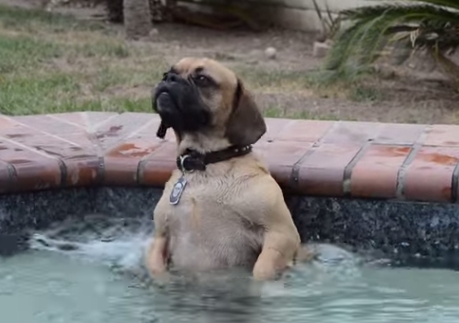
<point>365,94</point>
<point>277,79</point>
<point>24,52</point>
<point>27,20</point>
<point>53,63</point>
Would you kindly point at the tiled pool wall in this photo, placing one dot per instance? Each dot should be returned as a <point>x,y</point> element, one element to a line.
<point>389,188</point>
<point>417,233</point>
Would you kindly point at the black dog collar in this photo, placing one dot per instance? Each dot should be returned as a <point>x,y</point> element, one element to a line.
<point>192,160</point>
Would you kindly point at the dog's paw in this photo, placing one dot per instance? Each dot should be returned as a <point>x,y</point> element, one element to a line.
<point>161,279</point>
<point>158,271</point>
<point>263,272</point>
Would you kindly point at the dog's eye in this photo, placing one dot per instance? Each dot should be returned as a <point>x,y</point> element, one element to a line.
<point>201,80</point>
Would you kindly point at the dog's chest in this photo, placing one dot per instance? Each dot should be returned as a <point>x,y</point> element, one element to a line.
<point>208,225</point>
<point>193,202</point>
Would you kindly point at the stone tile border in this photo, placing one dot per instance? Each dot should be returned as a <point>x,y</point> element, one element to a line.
<point>403,233</point>
<point>307,157</point>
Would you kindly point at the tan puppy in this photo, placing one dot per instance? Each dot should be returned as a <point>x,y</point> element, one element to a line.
<point>221,208</point>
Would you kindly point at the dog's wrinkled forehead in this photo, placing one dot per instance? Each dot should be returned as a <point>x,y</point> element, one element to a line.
<point>191,66</point>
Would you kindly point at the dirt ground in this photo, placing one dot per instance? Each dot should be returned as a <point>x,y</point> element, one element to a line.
<point>400,96</point>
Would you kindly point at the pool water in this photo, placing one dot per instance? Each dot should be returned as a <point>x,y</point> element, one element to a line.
<point>101,281</point>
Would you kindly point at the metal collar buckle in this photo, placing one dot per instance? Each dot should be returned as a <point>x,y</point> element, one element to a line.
<point>182,164</point>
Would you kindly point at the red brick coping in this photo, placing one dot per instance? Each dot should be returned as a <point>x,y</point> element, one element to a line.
<point>319,158</point>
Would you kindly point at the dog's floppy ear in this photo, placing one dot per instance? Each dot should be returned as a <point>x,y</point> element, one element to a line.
<point>245,124</point>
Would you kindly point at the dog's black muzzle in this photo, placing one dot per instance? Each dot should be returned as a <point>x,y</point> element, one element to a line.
<point>178,102</point>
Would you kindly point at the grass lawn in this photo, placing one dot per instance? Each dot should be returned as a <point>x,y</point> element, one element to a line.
<point>52,63</point>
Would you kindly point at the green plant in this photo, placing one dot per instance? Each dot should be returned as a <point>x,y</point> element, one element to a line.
<point>419,25</point>
<point>330,25</point>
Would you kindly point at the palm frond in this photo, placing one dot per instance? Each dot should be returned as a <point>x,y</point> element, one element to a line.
<point>402,12</point>
<point>373,27</point>
<point>452,4</point>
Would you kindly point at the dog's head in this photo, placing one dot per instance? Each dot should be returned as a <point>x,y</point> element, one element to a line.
<point>200,95</point>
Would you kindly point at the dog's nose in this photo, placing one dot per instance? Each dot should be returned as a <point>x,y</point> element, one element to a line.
<point>172,77</point>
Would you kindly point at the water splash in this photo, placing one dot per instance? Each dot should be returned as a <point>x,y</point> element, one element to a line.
<point>118,242</point>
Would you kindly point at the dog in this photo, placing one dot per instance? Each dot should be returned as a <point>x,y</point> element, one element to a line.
<point>221,208</point>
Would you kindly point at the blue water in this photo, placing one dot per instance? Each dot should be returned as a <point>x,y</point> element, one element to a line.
<point>101,281</point>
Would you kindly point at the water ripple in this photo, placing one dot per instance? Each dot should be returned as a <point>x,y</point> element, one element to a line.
<point>81,272</point>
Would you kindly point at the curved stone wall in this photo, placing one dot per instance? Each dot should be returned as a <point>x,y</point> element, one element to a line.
<point>385,187</point>
<point>314,158</point>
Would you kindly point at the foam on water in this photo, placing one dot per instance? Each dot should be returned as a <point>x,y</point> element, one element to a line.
<point>125,253</point>
<point>119,243</point>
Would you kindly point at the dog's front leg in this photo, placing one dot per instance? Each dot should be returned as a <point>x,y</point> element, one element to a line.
<point>157,256</point>
<point>281,241</point>
<point>158,252</point>
<point>277,254</point>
